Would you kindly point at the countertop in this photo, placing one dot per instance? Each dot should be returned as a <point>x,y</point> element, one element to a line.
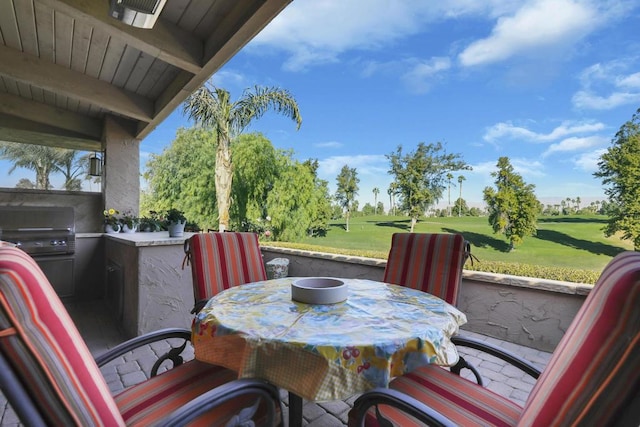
<point>160,238</point>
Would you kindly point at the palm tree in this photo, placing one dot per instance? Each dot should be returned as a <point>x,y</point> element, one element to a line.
<point>72,169</point>
<point>39,158</point>
<point>376,191</point>
<point>449,178</point>
<point>211,107</point>
<point>392,197</point>
<point>460,179</point>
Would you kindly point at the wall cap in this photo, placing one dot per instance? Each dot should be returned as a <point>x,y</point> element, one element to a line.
<point>501,279</point>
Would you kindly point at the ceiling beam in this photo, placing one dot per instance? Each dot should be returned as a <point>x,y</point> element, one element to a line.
<point>16,129</point>
<point>48,115</point>
<point>32,70</point>
<point>165,41</point>
<point>220,48</point>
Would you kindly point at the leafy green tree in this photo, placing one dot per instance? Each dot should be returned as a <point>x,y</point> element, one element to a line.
<point>347,190</point>
<point>619,169</point>
<point>292,202</point>
<point>475,211</point>
<point>419,176</point>
<point>368,210</point>
<point>255,172</point>
<point>212,108</point>
<point>180,177</point>
<point>512,206</point>
<point>320,202</point>
<point>380,208</point>
<point>460,208</point>
<point>25,183</point>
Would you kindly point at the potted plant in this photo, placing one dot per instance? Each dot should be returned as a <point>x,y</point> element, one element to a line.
<point>129,222</point>
<point>151,223</point>
<point>175,222</point>
<point>111,221</point>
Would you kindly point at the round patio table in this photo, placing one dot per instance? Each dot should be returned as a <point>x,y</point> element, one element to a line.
<point>325,352</point>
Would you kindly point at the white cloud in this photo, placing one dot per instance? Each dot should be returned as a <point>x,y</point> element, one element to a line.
<point>631,81</point>
<point>528,167</point>
<point>509,131</point>
<point>226,78</point>
<point>328,144</point>
<point>313,32</point>
<point>588,162</point>
<point>591,101</point>
<point>542,24</point>
<point>575,144</point>
<point>421,74</point>
<point>365,164</point>
<point>605,86</point>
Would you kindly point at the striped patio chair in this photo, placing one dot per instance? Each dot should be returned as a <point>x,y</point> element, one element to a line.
<point>220,261</point>
<point>50,378</point>
<point>429,262</point>
<point>592,379</point>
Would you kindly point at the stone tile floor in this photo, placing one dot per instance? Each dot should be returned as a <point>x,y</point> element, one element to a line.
<point>100,332</point>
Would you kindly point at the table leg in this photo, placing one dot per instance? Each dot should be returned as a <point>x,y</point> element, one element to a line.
<point>295,410</point>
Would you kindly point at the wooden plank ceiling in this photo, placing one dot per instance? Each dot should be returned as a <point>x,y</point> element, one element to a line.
<point>66,64</point>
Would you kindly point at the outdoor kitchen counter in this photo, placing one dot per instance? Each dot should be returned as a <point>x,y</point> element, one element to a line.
<point>160,238</point>
<point>147,286</point>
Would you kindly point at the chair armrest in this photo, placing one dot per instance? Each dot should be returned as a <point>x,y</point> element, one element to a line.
<point>399,400</point>
<point>507,356</point>
<point>229,391</point>
<point>145,339</point>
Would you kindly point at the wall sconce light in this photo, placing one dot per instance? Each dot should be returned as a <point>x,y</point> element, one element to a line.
<point>95,165</point>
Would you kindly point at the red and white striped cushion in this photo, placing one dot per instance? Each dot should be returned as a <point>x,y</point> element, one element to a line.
<point>595,369</point>
<point>223,260</point>
<point>45,349</point>
<point>463,401</point>
<point>428,262</point>
<point>147,403</point>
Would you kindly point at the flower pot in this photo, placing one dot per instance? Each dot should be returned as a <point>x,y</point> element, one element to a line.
<point>112,228</point>
<point>176,229</point>
<point>127,229</point>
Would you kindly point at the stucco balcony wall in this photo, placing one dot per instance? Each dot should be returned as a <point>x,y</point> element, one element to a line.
<point>522,310</point>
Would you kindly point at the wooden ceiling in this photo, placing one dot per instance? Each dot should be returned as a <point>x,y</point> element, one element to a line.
<point>66,64</point>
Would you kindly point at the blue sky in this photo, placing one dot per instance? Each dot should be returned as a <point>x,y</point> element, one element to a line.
<point>545,82</point>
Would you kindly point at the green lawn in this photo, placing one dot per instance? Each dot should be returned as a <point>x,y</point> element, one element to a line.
<point>575,242</point>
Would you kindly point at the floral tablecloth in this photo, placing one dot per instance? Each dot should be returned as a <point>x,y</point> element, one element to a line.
<point>326,352</point>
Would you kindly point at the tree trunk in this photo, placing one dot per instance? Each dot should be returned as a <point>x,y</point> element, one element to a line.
<point>223,175</point>
<point>414,220</point>
<point>347,215</point>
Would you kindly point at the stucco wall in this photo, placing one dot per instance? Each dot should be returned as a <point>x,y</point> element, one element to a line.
<point>525,311</point>
<point>87,206</point>
<point>156,292</point>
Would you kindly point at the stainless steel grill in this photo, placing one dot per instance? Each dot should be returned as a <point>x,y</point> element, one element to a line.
<point>48,235</point>
<point>39,230</point>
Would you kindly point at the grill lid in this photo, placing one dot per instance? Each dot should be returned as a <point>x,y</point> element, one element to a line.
<point>39,229</point>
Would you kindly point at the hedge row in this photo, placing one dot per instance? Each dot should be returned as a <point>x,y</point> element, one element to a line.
<point>515,269</point>
<point>540,271</point>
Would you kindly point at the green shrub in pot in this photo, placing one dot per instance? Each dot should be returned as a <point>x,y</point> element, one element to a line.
<point>175,221</point>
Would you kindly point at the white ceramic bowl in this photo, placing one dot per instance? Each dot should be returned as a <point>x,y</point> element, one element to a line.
<point>319,290</point>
